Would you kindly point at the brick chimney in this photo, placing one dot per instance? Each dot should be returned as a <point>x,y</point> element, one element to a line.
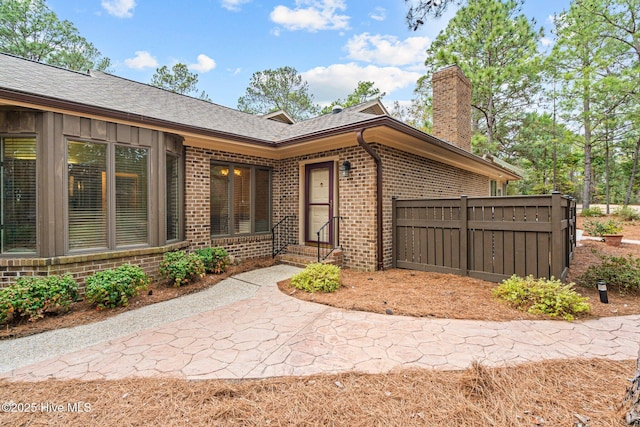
<point>452,106</point>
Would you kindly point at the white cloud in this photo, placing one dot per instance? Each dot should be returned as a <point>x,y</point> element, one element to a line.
<point>312,15</point>
<point>234,71</point>
<point>233,5</point>
<point>378,14</point>
<point>143,59</point>
<point>387,50</point>
<point>339,80</point>
<point>204,64</point>
<point>119,8</point>
<point>545,41</point>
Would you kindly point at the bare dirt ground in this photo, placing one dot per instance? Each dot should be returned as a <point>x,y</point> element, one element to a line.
<point>550,393</point>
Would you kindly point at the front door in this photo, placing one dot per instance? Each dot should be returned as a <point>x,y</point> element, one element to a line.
<point>319,202</point>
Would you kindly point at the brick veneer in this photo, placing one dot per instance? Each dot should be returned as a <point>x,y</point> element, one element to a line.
<point>81,266</point>
<point>452,106</point>
<point>408,176</point>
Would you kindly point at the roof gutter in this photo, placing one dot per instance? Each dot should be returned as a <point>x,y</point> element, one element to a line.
<point>378,160</point>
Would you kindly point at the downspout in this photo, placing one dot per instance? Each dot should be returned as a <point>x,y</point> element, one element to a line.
<point>378,160</point>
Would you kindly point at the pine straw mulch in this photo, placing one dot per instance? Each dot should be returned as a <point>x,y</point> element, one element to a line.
<point>424,294</point>
<point>81,312</point>
<point>548,393</point>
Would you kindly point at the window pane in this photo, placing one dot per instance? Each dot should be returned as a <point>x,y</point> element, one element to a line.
<point>87,182</point>
<point>242,199</point>
<point>262,209</point>
<point>219,198</point>
<point>131,196</point>
<point>18,200</point>
<point>173,212</point>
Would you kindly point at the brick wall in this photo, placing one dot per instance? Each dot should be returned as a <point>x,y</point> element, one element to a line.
<point>197,209</point>
<point>356,202</point>
<point>407,176</point>
<point>452,107</point>
<point>81,266</point>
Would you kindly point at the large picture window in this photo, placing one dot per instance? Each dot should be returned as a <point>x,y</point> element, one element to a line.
<point>18,196</point>
<point>240,199</point>
<point>96,219</point>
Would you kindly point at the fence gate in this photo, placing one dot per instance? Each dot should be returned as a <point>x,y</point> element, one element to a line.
<point>490,238</point>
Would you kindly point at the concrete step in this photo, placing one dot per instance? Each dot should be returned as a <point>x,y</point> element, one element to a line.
<point>301,256</point>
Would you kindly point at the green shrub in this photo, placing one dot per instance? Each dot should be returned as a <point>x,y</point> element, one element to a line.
<point>619,273</point>
<point>32,296</point>
<point>318,277</point>
<point>591,212</point>
<point>626,213</point>
<point>113,288</point>
<point>215,260</point>
<point>600,228</point>
<point>542,296</point>
<point>181,267</point>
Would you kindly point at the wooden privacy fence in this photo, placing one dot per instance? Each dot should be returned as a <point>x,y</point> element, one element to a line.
<point>489,238</point>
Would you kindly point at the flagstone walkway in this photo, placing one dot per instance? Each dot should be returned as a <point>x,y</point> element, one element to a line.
<point>265,333</point>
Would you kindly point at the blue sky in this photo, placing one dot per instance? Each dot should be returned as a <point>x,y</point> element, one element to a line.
<point>332,43</point>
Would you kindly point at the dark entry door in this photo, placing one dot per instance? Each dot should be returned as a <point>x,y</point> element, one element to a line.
<point>319,202</point>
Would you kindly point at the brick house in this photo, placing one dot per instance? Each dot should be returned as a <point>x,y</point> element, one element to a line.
<point>98,170</point>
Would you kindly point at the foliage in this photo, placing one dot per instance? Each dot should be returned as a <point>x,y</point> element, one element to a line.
<point>32,296</point>
<point>542,296</point>
<point>181,267</point>
<point>113,287</point>
<point>627,213</point>
<point>178,79</point>
<point>420,10</point>
<point>318,277</point>
<point>600,228</point>
<point>215,260</point>
<point>497,48</point>
<point>621,273</point>
<point>275,90</point>
<point>28,28</point>
<point>365,91</point>
<point>591,212</point>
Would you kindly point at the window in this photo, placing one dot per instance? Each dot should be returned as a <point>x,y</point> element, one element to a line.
<point>494,188</point>
<point>173,198</point>
<point>240,199</point>
<point>18,196</point>
<point>96,219</point>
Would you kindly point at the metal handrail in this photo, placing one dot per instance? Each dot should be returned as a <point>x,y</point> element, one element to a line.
<point>282,226</point>
<point>336,232</point>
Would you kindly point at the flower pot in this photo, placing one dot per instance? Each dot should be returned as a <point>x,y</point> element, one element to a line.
<point>613,239</point>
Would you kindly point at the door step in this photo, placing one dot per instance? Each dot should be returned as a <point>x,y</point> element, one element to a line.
<point>301,256</point>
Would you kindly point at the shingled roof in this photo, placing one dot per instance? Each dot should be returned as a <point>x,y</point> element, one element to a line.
<point>141,101</point>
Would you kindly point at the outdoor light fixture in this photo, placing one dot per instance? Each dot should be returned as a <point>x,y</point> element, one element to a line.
<point>345,168</point>
<point>602,290</point>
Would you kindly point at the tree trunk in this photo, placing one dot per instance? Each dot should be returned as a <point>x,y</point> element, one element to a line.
<point>606,170</point>
<point>633,396</point>
<point>633,173</point>
<point>586,192</point>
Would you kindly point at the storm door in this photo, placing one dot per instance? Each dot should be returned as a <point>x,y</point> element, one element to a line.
<point>319,203</point>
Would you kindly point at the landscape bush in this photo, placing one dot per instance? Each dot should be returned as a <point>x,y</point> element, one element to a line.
<point>542,296</point>
<point>317,277</point>
<point>33,296</point>
<point>621,273</point>
<point>181,267</point>
<point>591,212</point>
<point>626,213</point>
<point>215,260</point>
<point>114,287</point>
<point>600,228</point>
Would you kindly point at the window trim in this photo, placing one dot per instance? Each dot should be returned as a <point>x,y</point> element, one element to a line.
<point>111,197</point>
<point>230,194</point>
<point>35,137</point>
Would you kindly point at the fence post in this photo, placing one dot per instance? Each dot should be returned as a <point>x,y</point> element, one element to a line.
<point>394,242</point>
<point>557,256</point>
<point>464,235</point>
